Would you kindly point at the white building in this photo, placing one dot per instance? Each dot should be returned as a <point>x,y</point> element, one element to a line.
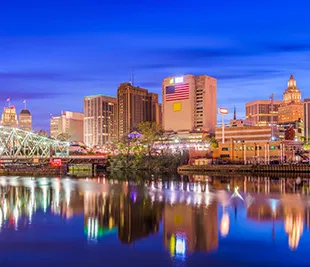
<point>189,103</point>
<point>70,123</point>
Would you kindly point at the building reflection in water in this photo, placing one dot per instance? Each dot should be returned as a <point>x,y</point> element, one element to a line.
<point>189,228</point>
<point>188,210</point>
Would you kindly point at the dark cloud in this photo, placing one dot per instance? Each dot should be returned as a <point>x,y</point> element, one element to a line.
<point>260,73</point>
<point>21,95</point>
<point>30,75</point>
<point>292,47</point>
<point>197,56</point>
<point>49,76</point>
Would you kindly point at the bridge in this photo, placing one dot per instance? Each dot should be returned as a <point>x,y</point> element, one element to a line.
<point>19,144</point>
<point>23,147</point>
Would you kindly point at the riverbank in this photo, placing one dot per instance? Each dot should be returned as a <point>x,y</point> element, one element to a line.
<point>245,169</point>
<point>34,171</point>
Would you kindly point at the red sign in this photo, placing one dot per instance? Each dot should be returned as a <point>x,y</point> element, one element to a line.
<point>56,163</point>
<point>223,110</point>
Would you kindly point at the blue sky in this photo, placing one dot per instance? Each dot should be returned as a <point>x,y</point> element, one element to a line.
<point>53,53</point>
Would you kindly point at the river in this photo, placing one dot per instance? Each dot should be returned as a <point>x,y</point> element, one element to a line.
<point>188,221</point>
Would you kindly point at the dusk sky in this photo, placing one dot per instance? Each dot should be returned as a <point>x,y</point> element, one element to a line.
<point>53,53</point>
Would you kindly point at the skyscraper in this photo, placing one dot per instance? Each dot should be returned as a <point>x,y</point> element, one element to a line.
<point>100,120</point>
<point>9,117</point>
<point>307,118</point>
<point>68,123</point>
<point>135,105</point>
<point>25,120</point>
<point>262,112</point>
<point>189,103</point>
<point>291,109</point>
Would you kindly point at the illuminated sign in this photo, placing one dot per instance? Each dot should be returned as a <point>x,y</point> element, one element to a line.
<point>223,110</point>
<point>171,81</point>
<point>178,79</point>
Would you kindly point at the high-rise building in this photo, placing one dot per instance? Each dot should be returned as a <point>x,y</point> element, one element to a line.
<point>25,120</point>
<point>68,123</point>
<point>291,109</point>
<point>307,118</point>
<point>9,117</point>
<point>262,112</point>
<point>189,103</point>
<point>100,120</point>
<point>135,105</point>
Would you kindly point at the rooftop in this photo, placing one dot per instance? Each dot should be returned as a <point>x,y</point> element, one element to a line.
<point>25,111</point>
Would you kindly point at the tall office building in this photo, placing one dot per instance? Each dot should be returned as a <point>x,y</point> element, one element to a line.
<point>9,117</point>
<point>262,112</point>
<point>100,120</point>
<point>307,118</point>
<point>291,109</point>
<point>25,120</point>
<point>135,105</point>
<point>70,123</point>
<point>189,103</point>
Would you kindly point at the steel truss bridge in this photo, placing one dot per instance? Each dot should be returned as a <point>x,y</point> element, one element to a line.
<point>20,144</point>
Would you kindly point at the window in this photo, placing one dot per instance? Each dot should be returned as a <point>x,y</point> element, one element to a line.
<point>225,148</point>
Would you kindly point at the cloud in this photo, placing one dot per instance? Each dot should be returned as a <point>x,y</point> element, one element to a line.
<point>48,76</point>
<point>289,47</point>
<point>30,75</point>
<point>247,74</point>
<point>21,95</point>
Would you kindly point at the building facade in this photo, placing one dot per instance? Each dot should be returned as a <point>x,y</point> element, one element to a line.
<point>262,112</point>
<point>189,103</point>
<point>25,120</point>
<point>135,105</point>
<point>68,123</point>
<point>307,118</point>
<point>244,133</point>
<point>291,109</point>
<point>100,120</point>
<point>259,152</point>
<point>9,117</point>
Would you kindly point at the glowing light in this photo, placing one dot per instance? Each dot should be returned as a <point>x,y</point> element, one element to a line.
<point>180,246</point>
<point>178,79</point>
<point>225,223</point>
<point>172,245</point>
<point>223,111</point>
<point>44,190</point>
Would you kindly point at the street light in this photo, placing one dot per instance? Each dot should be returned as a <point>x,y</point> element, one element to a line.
<point>223,111</point>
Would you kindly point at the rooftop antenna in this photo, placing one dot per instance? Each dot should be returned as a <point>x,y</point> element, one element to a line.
<point>132,77</point>
<point>235,113</point>
<point>9,101</point>
<point>25,104</point>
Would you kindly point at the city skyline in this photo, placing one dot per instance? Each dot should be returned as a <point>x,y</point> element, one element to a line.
<point>61,62</point>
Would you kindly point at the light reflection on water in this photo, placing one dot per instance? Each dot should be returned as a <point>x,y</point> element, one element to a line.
<point>188,216</point>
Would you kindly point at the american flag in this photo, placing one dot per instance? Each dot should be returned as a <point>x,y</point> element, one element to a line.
<point>177,92</point>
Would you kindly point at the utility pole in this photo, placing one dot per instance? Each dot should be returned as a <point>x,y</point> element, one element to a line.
<point>271,98</point>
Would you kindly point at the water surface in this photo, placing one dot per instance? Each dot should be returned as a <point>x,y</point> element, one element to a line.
<point>196,221</point>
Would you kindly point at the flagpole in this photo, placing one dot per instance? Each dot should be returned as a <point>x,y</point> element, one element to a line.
<point>25,104</point>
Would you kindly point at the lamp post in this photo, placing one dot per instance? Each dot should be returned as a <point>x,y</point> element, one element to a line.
<point>223,112</point>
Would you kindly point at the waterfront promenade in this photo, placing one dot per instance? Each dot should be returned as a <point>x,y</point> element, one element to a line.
<point>252,169</point>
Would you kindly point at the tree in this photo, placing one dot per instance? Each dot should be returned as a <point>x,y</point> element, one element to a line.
<point>150,133</point>
<point>212,141</point>
<point>63,137</point>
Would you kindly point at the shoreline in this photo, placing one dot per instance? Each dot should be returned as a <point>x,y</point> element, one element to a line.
<point>246,169</point>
